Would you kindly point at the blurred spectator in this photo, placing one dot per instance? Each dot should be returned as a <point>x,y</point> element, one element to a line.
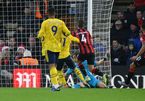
<point>119,33</point>
<point>134,36</point>
<point>2,32</point>
<point>120,15</point>
<point>140,4</point>
<point>143,15</point>
<point>2,43</point>
<point>6,59</point>
<point>27,59</point>
<point>1,57</point>
<point>21,36</point>
<point>122,18</point>
<point>99,45</point>
<point>19,52</point>
<point>5,71</point>
<point>12,45</point>
<point>131,52</point>
<point>34,47</point>
<point>118,55</point>
<point>27,20</point>
<point>139,18</point>
<point>131,14</point>
<point>8,11</point>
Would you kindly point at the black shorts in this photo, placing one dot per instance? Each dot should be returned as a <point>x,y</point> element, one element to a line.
<point>69,62</point>
<point>52,57</point>
<point>89,57</point>
<point>140,60</point>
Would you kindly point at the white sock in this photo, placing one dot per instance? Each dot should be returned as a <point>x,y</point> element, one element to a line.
<point>56,86</point>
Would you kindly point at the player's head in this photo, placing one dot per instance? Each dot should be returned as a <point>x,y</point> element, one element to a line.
<point>81,24</point>
<point>51,11</point>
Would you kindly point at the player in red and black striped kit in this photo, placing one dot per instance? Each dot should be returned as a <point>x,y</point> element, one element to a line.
<point>85,45</point>
<point>138,60</point>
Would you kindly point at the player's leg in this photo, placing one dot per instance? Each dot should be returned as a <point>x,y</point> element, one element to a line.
<point>80,59</point>
<point>105,78</point>
<point>131,71</point>
<point>101,85</point>
<point>90,58</point>
<point>52,69</point>
<point>72,65</point>
<point>137,63</point>
<point>94,82</point>
<point>82,69</point>
<point>129,76</point>
<point>96,71</point>
<point>61,77</point>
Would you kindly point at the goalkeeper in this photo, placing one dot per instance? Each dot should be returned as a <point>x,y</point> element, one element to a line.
<point>89,77</point>
<point>95,70</point>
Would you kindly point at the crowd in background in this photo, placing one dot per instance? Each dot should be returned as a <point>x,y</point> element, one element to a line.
<point>19,27</point>
<point>125,33</point>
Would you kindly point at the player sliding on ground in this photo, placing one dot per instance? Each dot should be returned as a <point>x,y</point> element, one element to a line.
<point>138,60</point>
<point>52,30</point>
<point>95,71</point>
<point>64,57</point>
<point>89,77</point>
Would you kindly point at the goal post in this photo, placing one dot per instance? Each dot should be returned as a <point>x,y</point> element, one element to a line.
<point>101,24</point>
<point>90,16</point>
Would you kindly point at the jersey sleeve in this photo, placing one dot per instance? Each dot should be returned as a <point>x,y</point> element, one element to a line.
<point>65,29</point>
<point>42,30</point>
<point>90,37</point>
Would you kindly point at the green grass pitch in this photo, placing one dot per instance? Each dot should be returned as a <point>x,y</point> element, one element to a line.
<point>45,94</point>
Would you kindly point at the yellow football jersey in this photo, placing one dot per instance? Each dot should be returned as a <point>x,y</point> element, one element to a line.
<point>53,29</point>
<point>43,46</point>
<point>66,42</point>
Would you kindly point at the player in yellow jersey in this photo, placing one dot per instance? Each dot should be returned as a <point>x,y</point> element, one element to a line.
<point>53,29</point>
<point>64,57</point>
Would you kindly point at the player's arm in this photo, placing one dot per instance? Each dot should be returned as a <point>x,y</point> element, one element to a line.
<point>100,62</point>
<point>90,37</point>
<point>142,50</point>
<point>65,30</point>
<point>75,39</point>
<point>42,30</point>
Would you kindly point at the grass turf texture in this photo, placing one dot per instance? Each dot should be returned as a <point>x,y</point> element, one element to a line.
<point>45,94</point>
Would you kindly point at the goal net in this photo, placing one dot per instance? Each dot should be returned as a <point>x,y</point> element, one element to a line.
<point>20,22</point>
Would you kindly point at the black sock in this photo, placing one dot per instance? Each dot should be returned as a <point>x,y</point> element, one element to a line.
<point>130,75</point>
<point>98,72</point>
<point>83,70</point>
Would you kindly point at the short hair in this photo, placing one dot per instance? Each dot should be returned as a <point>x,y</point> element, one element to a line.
<point>51,11</point>
<point>81,24</point>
